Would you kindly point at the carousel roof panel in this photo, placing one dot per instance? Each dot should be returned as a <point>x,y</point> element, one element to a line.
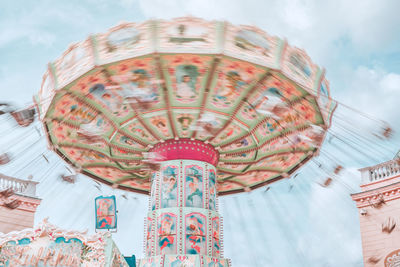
<point>261,103</point>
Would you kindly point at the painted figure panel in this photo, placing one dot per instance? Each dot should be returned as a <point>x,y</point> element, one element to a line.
<point>209,124</point>
<point>298,66</point>
<point>138,83</point>
<point>68,108</point>
<point>106,217</point>
<point>63,133</point>
<point>228,89</point>
<point>135,78</point>
<point>141,184</point>
<point>267,128</point>
<point>279,161</point>
<point>85,156</point>
<point>187,77</point>
<point>252,44</point>
<point>123,87</point>
<point>137,130</point>
<point>240,144</point>
<point>195,241</point>
<point>188,35</point>
<point>109,99</point>
<point>271,99</point>
<point>228,134</point>
<point>122,37</point>
<point>233,78</point>
<point>77,60</point>
<point>264,103</point>
<point>113,174</point>
<point>126,40</point>
<point>124,140</point>
<point>169,187</point>
<point>232,167</point>
<point>194,186</point>
<point>166,232</point>
<point>186,80</point>
<point>160,124</point>
<point>253,41</point>
<point>185,122</point>
<point>295,140</point>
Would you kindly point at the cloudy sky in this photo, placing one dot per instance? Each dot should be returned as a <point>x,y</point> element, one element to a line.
<point>295,223</point>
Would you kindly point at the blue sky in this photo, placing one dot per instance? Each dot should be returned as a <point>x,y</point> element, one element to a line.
<point>358,42</point>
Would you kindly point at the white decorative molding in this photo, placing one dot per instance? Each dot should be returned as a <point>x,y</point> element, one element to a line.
<point>380,171</point>
<point>19,186</point>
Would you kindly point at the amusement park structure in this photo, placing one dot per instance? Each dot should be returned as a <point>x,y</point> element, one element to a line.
<point>379,206</point>
<point>17,213</point>
<point>185,110</point>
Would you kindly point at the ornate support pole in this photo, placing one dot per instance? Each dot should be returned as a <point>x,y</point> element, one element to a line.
<point>183,224</point>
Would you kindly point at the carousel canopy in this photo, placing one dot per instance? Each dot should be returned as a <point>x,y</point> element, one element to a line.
<point>259,106</point>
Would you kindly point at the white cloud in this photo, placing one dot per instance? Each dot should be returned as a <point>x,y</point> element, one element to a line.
<point>333,216</point>
<point>301,19</point>
<point>37,23</point>
<point>370,26</point>
<point>374,91</point>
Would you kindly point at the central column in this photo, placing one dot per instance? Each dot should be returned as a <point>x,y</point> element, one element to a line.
<point>183,225</point>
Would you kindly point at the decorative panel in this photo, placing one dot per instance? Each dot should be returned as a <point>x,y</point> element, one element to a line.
<point>166,233</point>
<point>106,213</point>
<point>169,186</point>
<point>195,233</point>
<point>193,186</point>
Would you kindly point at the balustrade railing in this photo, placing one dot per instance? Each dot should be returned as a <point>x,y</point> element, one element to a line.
<point>19,186</point>
<point>381,171</point>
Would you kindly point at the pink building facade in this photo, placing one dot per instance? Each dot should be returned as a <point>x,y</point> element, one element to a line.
<point>379,210</point>
<point>17,211</point>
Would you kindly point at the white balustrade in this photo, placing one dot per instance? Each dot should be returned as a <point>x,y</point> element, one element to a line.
<point>381,171</point>
<point>19,186</point>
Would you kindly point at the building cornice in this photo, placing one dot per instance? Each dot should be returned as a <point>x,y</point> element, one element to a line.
<point>367,198</point>
<point>25,203</point>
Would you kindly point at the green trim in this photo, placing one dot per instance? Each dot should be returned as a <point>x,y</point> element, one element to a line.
<point>52,69</point>
<point>318,80</point>
<point>260,157</point>
<point>247,168</point>
<point>94,43</point>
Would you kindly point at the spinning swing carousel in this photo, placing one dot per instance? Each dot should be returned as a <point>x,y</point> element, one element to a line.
<point>185,110</point>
